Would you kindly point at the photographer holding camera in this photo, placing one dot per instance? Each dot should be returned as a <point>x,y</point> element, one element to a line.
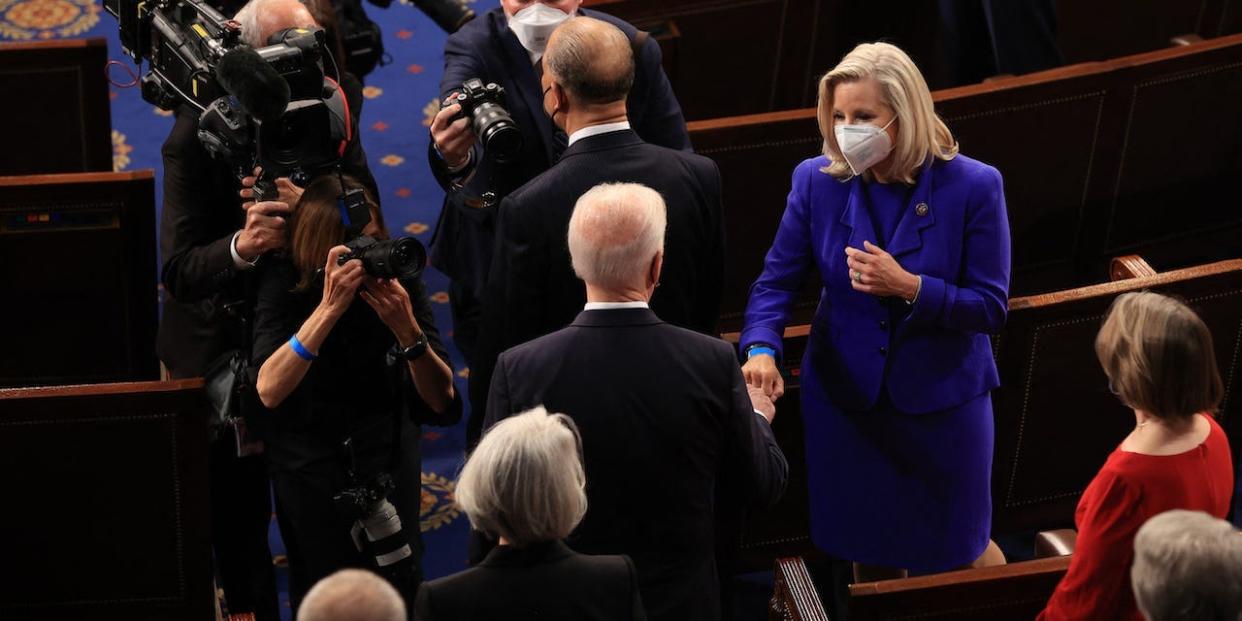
<point>210,241</point>
<point>350,364</point>
<point>505,46</point>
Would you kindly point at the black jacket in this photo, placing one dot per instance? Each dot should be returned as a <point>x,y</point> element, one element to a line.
<point>353,389</point>
<point>202,210</point>
<point>545,582</point>
<point>532,289</point>
<point>485,48</point>
<point>665,418</point>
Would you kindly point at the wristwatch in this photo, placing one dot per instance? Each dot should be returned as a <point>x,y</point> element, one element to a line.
<point>413,352</point>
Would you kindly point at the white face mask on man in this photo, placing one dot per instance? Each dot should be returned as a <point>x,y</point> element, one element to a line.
<point>534,24</point>
<point>863,145</point>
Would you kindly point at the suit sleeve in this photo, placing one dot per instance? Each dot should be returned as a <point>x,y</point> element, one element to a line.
<point>197,261</point>
<point>460,64</point>
<point>498,399</point>
<point>661,121</point>
<point>713,276</point>
<point>637,612</point>
<point>273,321</point>
<point>516,288</point>
<point>1096,584</point>
<point>422,604</point>
<point>759,462</point>
<point>784,269</point>
<point>980,301</point>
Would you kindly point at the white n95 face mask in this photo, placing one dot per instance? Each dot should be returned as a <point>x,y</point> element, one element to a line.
<point>863,146</point>
<point>534,24</point>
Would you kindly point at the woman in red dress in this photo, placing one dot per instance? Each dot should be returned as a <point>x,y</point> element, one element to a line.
<point>1159,359</point>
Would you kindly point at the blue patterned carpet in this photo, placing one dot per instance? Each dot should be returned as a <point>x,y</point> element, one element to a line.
<point>400,96</point>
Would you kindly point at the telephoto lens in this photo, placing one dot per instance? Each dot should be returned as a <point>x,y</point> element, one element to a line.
<point>404,257</point>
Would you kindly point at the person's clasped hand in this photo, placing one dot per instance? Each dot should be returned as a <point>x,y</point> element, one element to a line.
<point>392,304</point>
<point>761,402</point>
<point>762,373</point>
<point>264,230</point>
<point>340,282</point>
<point>288,192</point>
<point>874,271</point>
<point>453,139</point>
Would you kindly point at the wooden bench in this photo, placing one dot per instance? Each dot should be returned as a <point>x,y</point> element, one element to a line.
<point>106,513</point>
<point>77,259</point>
<point>1004,593</point>
<point>1093,167</point>
<point>55,106</point>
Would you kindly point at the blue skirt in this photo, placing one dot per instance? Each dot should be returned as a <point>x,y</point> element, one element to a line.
<point>901,490</point>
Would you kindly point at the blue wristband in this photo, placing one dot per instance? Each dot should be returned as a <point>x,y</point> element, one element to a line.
<point>300,349</point>
<point>755,351</point>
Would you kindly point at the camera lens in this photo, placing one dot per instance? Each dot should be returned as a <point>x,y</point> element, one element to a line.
<point>500,135</point>
<point>394,258</point>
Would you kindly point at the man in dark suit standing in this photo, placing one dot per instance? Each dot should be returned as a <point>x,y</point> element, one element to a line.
<point>506,46</point>
<point>665,416</point>
<point>531,289</point>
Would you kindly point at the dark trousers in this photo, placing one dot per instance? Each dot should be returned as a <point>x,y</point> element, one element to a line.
<point>241,512</point>
<point>317,534</point>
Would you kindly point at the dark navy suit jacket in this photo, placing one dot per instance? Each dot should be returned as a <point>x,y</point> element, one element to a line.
<point>485,48</point>
<point>666,422</point>
<point>954,233</point>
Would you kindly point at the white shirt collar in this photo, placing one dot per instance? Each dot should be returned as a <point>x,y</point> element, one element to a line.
<point>595,130</point>
<point>613,305</point>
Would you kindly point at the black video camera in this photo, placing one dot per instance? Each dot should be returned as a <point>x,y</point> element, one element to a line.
<point>491,122</point>
<point>271,107</point>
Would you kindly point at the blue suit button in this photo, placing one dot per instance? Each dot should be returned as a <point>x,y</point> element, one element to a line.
<point>883,350</point>
<point>883,324</point>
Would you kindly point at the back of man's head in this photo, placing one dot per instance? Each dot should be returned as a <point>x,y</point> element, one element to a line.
<point>260,19</point>
<point>615,232</point>
<point>1187,566</point>
<point>352,595</point>
<point>592,60</point>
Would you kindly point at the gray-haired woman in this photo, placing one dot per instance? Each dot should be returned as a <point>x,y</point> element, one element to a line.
<point>525,485</point>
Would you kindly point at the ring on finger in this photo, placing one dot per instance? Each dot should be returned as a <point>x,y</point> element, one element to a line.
<point>857,276</point>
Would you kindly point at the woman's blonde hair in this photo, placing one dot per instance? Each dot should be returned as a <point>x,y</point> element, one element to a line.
<point>316,225</point>
<point>921,134</point>
<point>1158,356</point>
<point>525,481</point>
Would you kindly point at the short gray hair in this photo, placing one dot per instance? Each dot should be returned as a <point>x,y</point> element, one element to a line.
<point>1187,565</point>
<point>352,595</point>
<point>592,59</point>
<point>525,481</point>
<point>615,232</point>
<point>248,18</point>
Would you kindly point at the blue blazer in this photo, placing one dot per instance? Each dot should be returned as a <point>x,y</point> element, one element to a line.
<point>485,48</point>
<point>938,354</point>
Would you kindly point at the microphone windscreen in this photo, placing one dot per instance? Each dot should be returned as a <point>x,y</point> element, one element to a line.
<point>263,93</point>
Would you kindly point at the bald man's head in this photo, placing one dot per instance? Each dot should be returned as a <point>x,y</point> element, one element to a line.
<point>352,595</point>
<point>260,19</point>
<point>592,60</point>
<point>615,232</point>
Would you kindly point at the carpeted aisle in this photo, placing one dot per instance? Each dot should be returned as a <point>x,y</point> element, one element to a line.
<point>399,99</point>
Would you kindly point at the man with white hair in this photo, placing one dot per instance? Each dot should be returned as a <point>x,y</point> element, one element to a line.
<point>211,237</point>
<point>352,595</point>
<point>666,419</point>
<point>531,290</point>
<point>1187,565</point>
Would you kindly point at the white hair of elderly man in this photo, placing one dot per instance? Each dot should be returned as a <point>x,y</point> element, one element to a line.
<point>615,234</point>
<point>352,595</point>
<point>1187,565</point>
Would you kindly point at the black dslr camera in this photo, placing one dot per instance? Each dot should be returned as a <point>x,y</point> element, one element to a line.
<point>484,106</point>
<point>403,257</point>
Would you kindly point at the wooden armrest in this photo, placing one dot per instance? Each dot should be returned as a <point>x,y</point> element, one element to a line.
<point>1054,543</point>
<point>998,77</point>
<point>794,597</point>
<point>1186,39</point>
<point>1129,266</point>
